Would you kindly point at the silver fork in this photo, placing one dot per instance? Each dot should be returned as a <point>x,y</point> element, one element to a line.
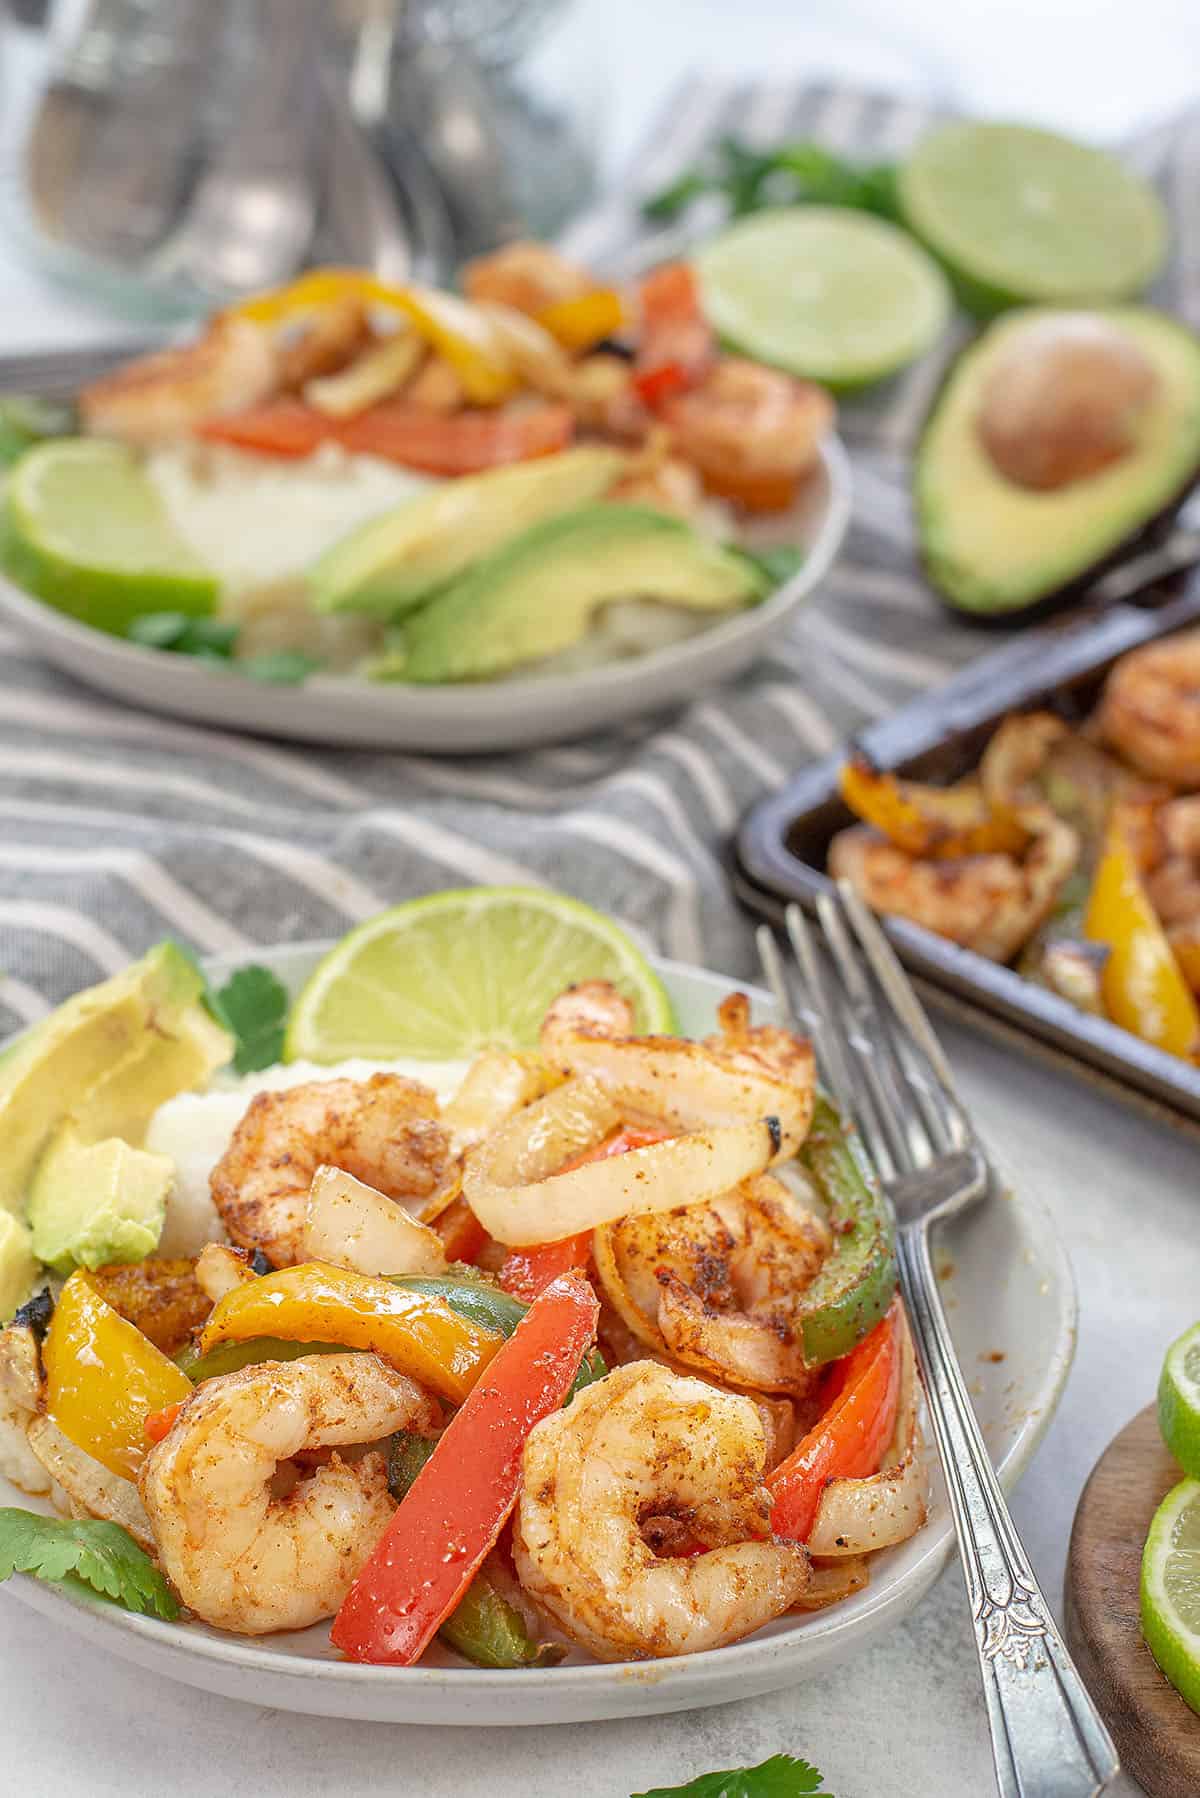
<point>888,1074</point>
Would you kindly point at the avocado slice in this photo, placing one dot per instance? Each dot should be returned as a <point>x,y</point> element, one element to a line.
<point>93,1203</point>
<point>100,1058</point>
<point>18,1265</point>
<point>997,549</point>
<point>538,595</point>
<point>392,563</point>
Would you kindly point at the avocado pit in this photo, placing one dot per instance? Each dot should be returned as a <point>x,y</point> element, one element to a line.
<point>1063,400</point>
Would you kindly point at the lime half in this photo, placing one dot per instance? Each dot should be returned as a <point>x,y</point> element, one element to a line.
<point>84,530</point>
<point>1020,215</point>
<point>1179,1401</point>
<point>1171,1589</point>
<point>832,295</point>
<point>443,977</point>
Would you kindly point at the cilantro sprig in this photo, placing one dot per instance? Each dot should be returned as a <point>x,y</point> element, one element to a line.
<point>783,1776</point>
<point>795,174</point>
<point>253,1007</point>
<point>214,642</point>
<point>103,1555</point>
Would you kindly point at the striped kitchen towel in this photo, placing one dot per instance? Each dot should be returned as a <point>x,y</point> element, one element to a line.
<point>118,828</point>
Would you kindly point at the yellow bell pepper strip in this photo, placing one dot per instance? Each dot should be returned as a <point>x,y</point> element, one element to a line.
<point>316,1302</point>
<point>1143,986</point>
<point>457,330</point>
<point>930,821</point>
<point>580,324</point>
<point>460,1501</point>
<point>103,1377</point>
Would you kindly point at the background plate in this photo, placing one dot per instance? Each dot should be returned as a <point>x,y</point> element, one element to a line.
<point>451,720</point>
<point>1027,1318</point>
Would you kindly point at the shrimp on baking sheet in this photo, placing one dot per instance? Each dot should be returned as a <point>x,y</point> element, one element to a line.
<point>1150,709</point>
<point>647,1455</point>
<point>242,1556</point>
<point>385,1131</point>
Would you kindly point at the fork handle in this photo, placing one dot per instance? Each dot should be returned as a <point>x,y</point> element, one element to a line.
<point>1048,1740</point>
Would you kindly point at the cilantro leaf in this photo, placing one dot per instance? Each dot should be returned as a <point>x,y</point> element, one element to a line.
<point>780,1777</point>
<point>279,667</point>
<point>207,639</point>
<point>779,563</point>
<point>102,1555</point>
<point>253,1007</point>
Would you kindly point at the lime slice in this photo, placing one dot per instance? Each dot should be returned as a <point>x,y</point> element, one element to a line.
<point>1022,215</point>
<point>832,295</point>
<point>84,530</point>
<point>1179,1401</point>
<point>443,977</point>
<point>1171,1589</point>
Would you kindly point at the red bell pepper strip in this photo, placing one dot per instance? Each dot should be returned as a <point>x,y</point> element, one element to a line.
<point>529,1271</point>
<point>460,1501</point>
<point>463,443</point>
<point>284,427</point>
<point>461,1232</point>
<point>848,1441</point>
<point>669,293</point>
<point>159,1424</point>
<point>676,345</point>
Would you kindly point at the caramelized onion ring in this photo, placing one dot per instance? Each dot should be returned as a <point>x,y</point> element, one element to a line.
<point>511,1186</point>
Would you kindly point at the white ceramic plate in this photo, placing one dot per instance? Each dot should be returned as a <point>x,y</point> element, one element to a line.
<point>1010,1295</point>
<point>514,714</point>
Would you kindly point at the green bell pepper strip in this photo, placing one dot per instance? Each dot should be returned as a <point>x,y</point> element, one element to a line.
<point>481,1303</point>
<point>483,1627</point>
<point>855,1286</point>
<point>231,1357</point>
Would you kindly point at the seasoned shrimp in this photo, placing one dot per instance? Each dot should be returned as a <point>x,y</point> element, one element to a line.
<point>744,1072</point>
<point>990,903</point>
<point>232,366</point>
<point>751,431</point>
<point>242,1558</point>
<point>1150,709</point>
<point>647,1453</point>
<point>1170,854</point>
<point>715,1286</point>
<point>384,1131</point>
<point>527,276</point>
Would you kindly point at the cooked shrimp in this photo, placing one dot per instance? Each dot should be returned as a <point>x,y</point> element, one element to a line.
<point>744,1072</point>
<point>746,427</point>
<point>384,1131</point>
<point>1150,709</point>
<point>239,1556</point>
<point>1171,858</point>
<point>603,398</point>
<point>527,276</point>
<point>643,1446</point>
<point>232,366</point>
<point>716,1286</point>
<point>324,342</point>
<point>989,903</point>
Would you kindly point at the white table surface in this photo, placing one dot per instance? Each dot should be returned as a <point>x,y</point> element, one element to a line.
<point>907,1717</point>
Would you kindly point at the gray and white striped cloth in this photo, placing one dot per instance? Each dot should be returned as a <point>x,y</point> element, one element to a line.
<point>118,828</point>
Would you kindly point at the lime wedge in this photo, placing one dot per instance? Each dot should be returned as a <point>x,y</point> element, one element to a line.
<point>1179,1401</point>
<point>443,977</point>
<point>832,295</point>
<point>1171,1589</point>
<point>84,530</point>
<point>1020,215</point>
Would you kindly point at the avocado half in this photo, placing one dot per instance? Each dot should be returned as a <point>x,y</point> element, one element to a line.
<point>997,552</point>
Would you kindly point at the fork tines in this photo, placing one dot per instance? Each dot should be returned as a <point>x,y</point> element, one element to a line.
<point>875,1045</point>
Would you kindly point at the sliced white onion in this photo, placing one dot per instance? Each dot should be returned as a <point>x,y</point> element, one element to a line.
<point>351,1225</point>
<point>93,1490</point>
<point>219,1269</point>
<point>859,1516</point>
<point>510,1186</point>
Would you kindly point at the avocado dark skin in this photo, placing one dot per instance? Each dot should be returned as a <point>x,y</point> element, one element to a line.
<point>970,511</point>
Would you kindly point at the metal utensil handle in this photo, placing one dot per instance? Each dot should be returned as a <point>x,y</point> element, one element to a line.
<point>1048,1740</point>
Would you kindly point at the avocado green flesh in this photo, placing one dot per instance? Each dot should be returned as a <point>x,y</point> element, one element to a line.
<point>18,1265</point>
<point>86,1049</point>
<point>991,547</point>
<point>538,595</point>
<point>93,1204</point>
<point>392,563</point>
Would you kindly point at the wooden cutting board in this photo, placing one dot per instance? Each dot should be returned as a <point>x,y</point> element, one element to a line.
<point>1157,1736</point>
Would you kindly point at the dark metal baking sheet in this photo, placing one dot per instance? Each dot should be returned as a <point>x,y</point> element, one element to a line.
<point>782,844</point>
